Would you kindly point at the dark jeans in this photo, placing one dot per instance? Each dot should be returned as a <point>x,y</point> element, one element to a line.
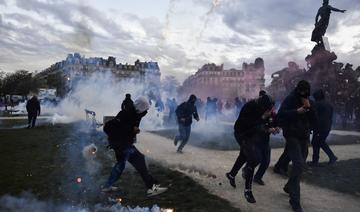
<point>250,154</point>
<point>297,150</point>
<point>136,159</point>
<point>265,151</point>
<point>319,141</point>
<point>183,136</point>
<point>284,160</point>
<point>241,159</point>
<point>32,119</point>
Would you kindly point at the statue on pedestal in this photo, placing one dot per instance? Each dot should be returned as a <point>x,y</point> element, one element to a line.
<point>322,24</point>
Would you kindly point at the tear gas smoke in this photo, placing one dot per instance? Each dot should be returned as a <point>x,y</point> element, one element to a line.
<point>92,165</point>
<point>89,152</point>
<point>28,203</point>
<point>63,119</point>
<point>103,94</point>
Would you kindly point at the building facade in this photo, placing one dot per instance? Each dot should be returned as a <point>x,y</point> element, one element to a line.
<point>212,80</point>
<point>76,66</point>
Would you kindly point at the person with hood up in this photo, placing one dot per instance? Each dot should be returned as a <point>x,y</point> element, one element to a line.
<point>249,129</point>
<point>297,117</point>
<point>185,112</point>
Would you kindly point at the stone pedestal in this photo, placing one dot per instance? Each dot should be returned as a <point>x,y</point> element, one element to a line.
<point>320,57</point>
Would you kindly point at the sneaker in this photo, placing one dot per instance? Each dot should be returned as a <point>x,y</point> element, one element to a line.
<point>179,151</point>
<point>280,172</point>
<point>109,189</point>
<point>231,180</point>
<point>333,160</point>
<point>155,190</point>
<point>249,196</point>
<point>259,181</point>
<point>296,207</point>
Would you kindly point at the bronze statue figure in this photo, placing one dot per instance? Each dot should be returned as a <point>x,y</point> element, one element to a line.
<point>322,24</point>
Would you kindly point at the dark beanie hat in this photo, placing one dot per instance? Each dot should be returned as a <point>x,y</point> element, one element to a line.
<point>192,98</point>
<point>262,92</point>
<point>303,86</point>
<point>266,102</point>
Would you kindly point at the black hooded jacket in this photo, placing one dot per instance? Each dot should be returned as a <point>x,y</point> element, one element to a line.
<point>250,120</point>
<point>295,124</point>
<point>125,135</point>
<point>324,113</point>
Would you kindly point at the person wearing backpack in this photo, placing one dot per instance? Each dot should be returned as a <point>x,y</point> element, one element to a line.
<point>122,131</point>
<point>185,112</point>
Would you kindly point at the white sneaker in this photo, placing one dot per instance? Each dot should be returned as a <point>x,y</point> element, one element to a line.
<point>155,190</point>
<point>110,188</point>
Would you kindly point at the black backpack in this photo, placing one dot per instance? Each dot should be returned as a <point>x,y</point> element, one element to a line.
<point>112,128</point>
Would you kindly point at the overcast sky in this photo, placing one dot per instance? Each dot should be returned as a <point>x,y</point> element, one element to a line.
<point>181,35</point>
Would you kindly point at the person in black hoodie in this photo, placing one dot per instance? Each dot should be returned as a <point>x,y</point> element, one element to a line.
<point>33,109</point>
<point>264,146</point>
<point>325,115</point>
<point>122,142</point>
<point>248,131</point>
<point>297,117</point>
<point>185,112</point>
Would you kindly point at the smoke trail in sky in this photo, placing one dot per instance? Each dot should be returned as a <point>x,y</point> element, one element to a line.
<point>169,12</point>
<point>214,5</point>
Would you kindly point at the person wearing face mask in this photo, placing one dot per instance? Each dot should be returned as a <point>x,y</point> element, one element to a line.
<point>249,129</point>
<point>297,117</point>
<point>122,131</point>
<point>185,112</point>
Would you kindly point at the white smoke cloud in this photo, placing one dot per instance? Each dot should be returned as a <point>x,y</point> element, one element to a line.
<point>28,203</point>
<point>103,94</point>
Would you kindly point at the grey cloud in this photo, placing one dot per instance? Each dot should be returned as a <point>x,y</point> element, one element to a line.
<point>153,28</point>
<point>3,2</point>
<point>30,42</point>
<point>235,40</point>
<point>253,18</point>
<point>65,12</point>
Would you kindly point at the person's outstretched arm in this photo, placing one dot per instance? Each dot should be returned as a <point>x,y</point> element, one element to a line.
<point>336,9</point>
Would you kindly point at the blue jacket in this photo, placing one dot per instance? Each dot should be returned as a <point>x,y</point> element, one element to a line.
<point>186,110</point>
